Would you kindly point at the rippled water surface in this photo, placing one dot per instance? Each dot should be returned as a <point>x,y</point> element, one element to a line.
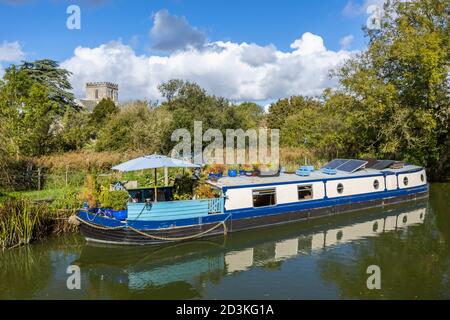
<point>326,259</point>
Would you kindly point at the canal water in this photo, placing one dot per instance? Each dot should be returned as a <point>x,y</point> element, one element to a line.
<point>326,258</point>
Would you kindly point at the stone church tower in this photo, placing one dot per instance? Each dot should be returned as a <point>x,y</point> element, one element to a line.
<point>96,91</point>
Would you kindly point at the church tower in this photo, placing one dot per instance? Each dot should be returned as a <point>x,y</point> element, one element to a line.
<point>96,91</point>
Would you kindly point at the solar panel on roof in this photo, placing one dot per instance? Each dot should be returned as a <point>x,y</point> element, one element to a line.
<point>370,161</point>
<point>382,164</point>
<point>352,165</point>
<point>333,164</point>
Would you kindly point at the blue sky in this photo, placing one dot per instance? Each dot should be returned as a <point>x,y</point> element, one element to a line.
<point>33,29</point>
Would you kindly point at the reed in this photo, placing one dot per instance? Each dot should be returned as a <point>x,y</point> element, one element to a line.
<point>22,221</point>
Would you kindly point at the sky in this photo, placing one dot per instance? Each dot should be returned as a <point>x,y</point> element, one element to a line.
<point>251,50</point>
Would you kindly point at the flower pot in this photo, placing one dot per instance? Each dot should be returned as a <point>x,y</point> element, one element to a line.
<point>232,173</point>
<point>213,175</point>
<point>242,172</point>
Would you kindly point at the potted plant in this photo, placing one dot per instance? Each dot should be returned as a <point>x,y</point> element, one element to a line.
<point>269,170</point>
<point>115,202</point>
<point>247,169</point>
<point>232,171</point>
<point>205,191</point>
<point>216,171</point>
<point>256,169</point>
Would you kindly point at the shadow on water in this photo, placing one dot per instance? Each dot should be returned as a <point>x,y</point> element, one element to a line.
<point>323,258</point>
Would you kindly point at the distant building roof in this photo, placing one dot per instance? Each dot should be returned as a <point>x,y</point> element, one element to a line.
<point>87,104</point>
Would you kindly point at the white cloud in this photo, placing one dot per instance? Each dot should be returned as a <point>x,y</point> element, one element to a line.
<point>346,41</point>
<point>170,32</point>
<point>11,51</point>
<point>354,8</point>
<point>308,44</point>
<point>2,71</point>
<point>255,55</point>
<point>237,71</point>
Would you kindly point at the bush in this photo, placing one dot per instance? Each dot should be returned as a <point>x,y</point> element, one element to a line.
<point>182,188</point>
<point>205,191</point>
<point>116,199</point>
<point>18,174</point>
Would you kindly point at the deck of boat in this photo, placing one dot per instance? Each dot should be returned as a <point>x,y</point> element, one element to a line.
<point>315,175</point>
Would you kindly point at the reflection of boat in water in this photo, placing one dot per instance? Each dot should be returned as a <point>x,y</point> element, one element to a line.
<point>192,263</point>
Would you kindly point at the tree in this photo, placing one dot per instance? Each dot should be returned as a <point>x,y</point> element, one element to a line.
<point>33,98</point>
<point>397,90</point>
<point>36,122</point>
<point>104,109</point>
<point>74,131</point>
<point>48,73</point>
<point>138,126</point>
<point>188,102</point>
<point>283,108</point>
<point>249,114</point>
<point>316,128</point>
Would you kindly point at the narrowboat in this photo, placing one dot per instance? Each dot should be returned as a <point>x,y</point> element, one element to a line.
<point>248,202</point>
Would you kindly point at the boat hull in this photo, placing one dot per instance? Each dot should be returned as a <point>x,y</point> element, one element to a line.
<point>127,236</point>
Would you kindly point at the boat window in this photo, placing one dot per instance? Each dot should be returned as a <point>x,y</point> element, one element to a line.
<point>376,184</point>
<point>340,188</point>
<point>305,192</point>
<point>422,177</point>
<point>264,197</point>
<point>405,181</point>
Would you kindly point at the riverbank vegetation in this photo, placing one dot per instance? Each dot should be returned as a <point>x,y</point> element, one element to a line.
<point>392,102</point>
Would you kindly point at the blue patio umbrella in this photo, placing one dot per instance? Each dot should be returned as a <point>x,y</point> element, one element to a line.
<point>154,161</point>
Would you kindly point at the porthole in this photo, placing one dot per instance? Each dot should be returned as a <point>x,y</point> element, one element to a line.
<point>376,184</point>
<point>405,219</point>
<point>422,177</point>
<point>340,188</point>
<point>405,181</point>
<point>339,235</point>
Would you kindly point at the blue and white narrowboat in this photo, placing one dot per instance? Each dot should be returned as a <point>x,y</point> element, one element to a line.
<point>249,202</point>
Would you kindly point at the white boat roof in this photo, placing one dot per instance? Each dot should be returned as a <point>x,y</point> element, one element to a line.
<point>290,177</point>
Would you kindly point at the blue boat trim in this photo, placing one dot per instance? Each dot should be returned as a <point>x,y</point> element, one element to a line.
<point>320,203</point>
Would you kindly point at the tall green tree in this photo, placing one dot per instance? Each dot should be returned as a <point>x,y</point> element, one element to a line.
<point>33,98</point>
<point>188,102</point>
<point>48,73</point>
<point>100,115</point>
<point>283,108</point>
<point>249,114</point>
<point>396,92</point>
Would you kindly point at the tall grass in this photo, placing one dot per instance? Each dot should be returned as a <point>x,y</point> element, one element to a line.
<point>22,221</point>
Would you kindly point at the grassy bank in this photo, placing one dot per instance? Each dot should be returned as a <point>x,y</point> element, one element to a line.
<point>23,220</point>
<point>27,216</point>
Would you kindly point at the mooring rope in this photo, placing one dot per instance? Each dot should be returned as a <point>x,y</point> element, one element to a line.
<point>225,231</point>
<point>96,226</point>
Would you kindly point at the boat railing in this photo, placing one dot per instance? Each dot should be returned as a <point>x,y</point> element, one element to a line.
<point>215,205</point>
